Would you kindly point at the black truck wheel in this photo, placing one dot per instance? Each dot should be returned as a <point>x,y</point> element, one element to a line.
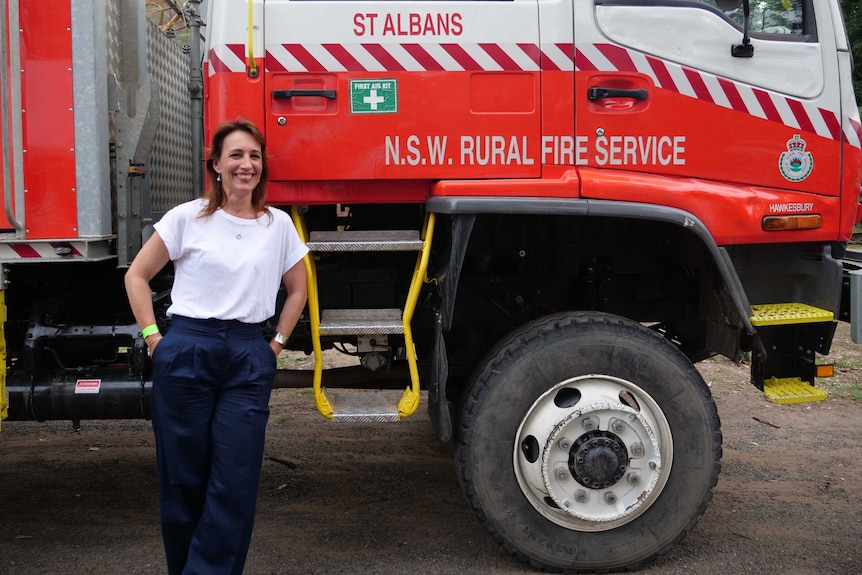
<point>587,442</point>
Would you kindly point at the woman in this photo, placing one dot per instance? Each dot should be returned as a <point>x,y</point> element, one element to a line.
<point>213,370</point>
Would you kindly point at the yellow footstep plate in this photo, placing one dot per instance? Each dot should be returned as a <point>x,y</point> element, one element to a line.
<point>788,313</point>
<point>792,390</point>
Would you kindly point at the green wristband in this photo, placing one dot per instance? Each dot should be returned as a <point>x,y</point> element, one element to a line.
<point>149,330</point>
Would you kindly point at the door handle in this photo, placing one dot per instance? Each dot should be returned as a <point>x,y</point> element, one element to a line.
<point>285,94</point>
<point>601,93</point>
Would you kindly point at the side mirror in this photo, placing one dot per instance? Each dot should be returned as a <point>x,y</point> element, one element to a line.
<point>744,50</point>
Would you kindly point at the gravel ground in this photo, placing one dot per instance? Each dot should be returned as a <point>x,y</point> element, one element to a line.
<point>338,498</point>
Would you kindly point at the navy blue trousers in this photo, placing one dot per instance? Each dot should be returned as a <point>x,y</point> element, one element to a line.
<point>211,386</point>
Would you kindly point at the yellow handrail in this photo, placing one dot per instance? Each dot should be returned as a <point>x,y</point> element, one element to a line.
<point>410,400</point>
<point>320,400</point>
<point>252,65</point>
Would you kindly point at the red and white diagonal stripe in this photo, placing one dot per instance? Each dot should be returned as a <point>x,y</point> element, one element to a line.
<point>425,57</point>
<point>794,113</point>
<point>40,250</point>
<point>227,58</point>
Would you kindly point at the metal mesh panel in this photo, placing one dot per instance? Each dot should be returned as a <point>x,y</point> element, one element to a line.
<point>112,36</point>
<point>112,50</point>
<point>112,61</point>
<point>172,160</point>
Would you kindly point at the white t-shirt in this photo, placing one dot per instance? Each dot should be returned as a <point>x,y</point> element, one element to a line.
<point>227,267</point>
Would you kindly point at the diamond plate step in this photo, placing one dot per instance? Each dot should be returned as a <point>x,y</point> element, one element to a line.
<point>788,313</point>
<point>365,241</point>
<point>357,406</point>
<point>792,390</point>
<point>360,321</point>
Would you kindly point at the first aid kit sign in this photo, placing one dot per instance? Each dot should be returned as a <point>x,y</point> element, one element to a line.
<point>374,96</point>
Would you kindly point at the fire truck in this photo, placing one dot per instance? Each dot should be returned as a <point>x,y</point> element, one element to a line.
<point>532,216</point>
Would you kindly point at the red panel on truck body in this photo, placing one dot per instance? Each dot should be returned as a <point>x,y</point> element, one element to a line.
<point>229,95</point>
<point>6,125</point>
<point>740,139</point>
<point>448,125</point>
<point>378,102</point>
<point>50,198</point>
<point>374,102</point>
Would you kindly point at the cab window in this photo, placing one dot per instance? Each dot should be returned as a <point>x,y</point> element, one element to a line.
<point>781,17</point>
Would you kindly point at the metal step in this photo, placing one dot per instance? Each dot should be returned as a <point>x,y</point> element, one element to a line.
<point>365,241</point>
<point>354,406</point>
<point>360,321</point>
<point>792,390</point>
<point>787,314</point>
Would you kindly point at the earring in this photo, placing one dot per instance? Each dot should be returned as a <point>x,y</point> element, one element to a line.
<point>218,178</point>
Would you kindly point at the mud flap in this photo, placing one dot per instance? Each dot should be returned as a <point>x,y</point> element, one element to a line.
<point>4,395</point>
<point>856,306</point>
<point>438,407</point>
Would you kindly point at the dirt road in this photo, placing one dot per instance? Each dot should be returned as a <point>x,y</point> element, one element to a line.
<point>385,499</point>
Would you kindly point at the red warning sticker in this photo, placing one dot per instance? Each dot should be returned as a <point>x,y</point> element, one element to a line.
<point>88,385</point>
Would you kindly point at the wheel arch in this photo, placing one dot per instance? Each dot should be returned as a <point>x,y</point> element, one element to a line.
<point>463,211</point>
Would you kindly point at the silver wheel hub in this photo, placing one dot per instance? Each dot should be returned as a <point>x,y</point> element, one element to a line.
<point>593,453</point>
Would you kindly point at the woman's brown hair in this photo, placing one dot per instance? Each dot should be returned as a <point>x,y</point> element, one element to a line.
<point>214,191</point>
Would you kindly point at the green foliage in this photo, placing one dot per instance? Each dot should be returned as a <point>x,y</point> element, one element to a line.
<point>770,16</point>
<point>853,19</point>
<point>777,16</point>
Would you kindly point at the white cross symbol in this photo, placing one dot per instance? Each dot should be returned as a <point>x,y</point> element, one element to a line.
<point>373,99</point>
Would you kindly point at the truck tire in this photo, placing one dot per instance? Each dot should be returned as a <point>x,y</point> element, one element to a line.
<point>587,442</point>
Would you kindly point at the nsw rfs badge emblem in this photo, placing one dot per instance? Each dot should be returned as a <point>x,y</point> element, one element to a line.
<point>796,164</point>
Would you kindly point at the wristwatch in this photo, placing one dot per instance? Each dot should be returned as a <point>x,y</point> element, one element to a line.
<point>279,338</point>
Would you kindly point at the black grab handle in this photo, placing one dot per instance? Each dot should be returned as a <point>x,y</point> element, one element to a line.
<point>600,93</point>
<point>284,94</point>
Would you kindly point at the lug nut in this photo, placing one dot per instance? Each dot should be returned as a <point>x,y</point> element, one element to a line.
<point>610,498</point>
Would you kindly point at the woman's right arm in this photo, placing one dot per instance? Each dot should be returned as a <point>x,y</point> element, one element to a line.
<point>149,261</point>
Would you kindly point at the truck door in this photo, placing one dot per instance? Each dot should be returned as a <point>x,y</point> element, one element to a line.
<point>402,90</point>
<point>658,91</point>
